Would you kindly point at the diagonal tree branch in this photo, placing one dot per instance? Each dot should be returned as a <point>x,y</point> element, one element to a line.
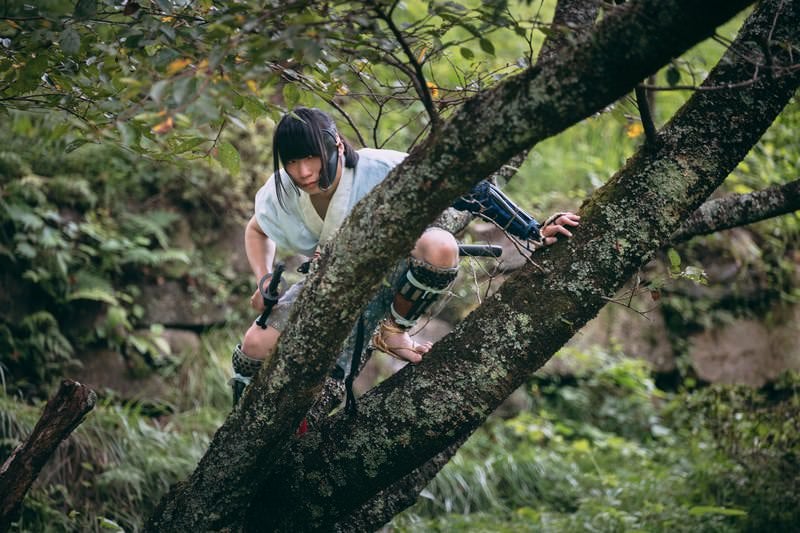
<point>578,14</point>
<point>571,19</point>
<point>485,133</point>
<point>421,410</point>
<point>739,210</point>
<point>61,415</point>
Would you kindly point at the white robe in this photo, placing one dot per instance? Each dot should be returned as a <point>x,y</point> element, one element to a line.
<point>298,226</point>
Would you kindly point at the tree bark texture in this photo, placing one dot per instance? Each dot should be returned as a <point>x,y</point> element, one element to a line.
<point>571,19</point>
<point>577,18</point>
<point>398,496</point>
<point>421,410</point>
<point>61,415</point>
<point>740,209</point>
<point>486,132</point>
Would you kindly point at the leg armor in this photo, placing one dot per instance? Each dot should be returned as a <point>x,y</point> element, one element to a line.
<point>420,286</point>
<point>244,368</point>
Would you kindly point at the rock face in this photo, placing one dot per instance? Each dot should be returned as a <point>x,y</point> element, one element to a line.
<point>747,352</point>
<point>107,370</point>
<point>172,304</point>
<point>639,336</point>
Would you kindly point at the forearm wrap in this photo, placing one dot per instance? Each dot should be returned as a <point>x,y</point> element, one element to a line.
<point>487,201</point>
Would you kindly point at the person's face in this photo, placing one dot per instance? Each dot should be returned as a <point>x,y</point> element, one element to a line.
<point>305,172</point>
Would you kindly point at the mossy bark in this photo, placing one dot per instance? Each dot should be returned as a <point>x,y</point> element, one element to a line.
<point>739,210</point>
<point>61,415</point>
<point>421,410</point>
<point>572,18</point>
<point>411,419</point>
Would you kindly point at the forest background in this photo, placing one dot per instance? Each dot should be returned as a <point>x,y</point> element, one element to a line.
<point>121,267</point>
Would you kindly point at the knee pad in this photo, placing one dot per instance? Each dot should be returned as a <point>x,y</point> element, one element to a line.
<point>422,284</point>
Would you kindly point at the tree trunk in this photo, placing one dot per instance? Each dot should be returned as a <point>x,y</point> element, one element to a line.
<point>62,414</point>
<point>475,142</point>
<point>572,18</point>
<point>421,410</point>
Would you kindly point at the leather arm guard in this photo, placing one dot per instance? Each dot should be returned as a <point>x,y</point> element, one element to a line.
<point>487,201</point>
<point>421,285</point>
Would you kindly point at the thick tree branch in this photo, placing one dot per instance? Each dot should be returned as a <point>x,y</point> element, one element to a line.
<point>420,410</point>
<point>571,19</point>
<point>62,414</point>
<point>398,496</point>
<point>739,210</point>
<point>580,16</point>
<point>482,135</point>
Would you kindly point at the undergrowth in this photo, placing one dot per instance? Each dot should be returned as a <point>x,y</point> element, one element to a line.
<point>601,450</point>
<point>110,473</point>
<point>609,452</point>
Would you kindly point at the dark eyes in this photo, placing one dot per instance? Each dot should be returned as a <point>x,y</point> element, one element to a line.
<point>309,156</point>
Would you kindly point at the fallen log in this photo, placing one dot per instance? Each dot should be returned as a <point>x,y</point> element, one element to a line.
<point>62,414</point>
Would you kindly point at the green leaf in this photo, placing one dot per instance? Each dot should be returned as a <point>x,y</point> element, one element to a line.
<point>291,95</point>
<point>26,250</point>
<point>253,107</point>
<point>166,5</point>
<point>70,41</point>
<point>487,46</point>
<point>31,75</point>
<point>85,9</point>
<point>94,294</point>
<point>157,90</point>
<point>74,145</point>
<point>466,53</point>
<point>91,287</point>
<point>701,510</point>
<point>674,259</point>
<point>673,76</point>
<point>229,158</point>
<point>183,89</point>
<point>130,133</point>
<point>187,144</point>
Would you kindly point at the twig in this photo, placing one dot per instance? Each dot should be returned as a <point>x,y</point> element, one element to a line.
<point>644,113</point>
<point>420,83</point>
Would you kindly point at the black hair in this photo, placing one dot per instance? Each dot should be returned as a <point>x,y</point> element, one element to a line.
<point>303,132</point>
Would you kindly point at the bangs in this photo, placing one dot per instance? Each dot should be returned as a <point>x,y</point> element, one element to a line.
<point>296,139</point>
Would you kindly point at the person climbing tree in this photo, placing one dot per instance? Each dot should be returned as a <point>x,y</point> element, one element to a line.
<point>318,179</point>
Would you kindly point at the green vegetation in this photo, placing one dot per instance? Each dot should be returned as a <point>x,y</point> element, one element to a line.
<point>603,450</point>
<point>80,232</point>
<point>163,142</point>
<point>606,451</point>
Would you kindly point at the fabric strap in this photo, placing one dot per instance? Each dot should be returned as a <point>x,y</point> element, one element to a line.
<point>421,285</point>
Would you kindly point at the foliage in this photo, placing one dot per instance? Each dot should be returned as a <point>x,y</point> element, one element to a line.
<point>78,231</point>
<point>606,451</point>
<point>115,466</point>
<point>601,450</point>
<point>168,77</point>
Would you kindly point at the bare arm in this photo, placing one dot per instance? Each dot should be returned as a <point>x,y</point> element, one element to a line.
<point>260,250</point>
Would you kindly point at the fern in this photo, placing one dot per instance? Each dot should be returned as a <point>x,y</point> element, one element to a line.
<point>153,223</point>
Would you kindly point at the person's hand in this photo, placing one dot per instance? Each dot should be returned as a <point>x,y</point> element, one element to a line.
<point>257,301</point>
<point>558,225</point>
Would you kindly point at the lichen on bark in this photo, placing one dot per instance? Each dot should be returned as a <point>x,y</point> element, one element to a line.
<point>542,101</point>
